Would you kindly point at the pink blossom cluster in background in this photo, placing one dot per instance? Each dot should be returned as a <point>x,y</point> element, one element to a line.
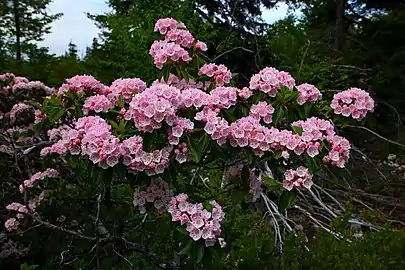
<point>97,103</point>
<point>12,223</point>
<point>220,73</point>
<point>31,87</point>
<point>82,84</point>
<point>353,102</point>
<point>138,160</point>
<point>255,186</point>
<point>18,109</point>
<point>262,110</point>
<point>297,178</point>
<point>308,93</point>
<point>48,173</point>
<point>157,193</point>
<point>126,88</point>
<point>156,104</point>
<point>8,80</point>
<point>182,153</point>
<point>201,223</point>
<point>269,80</point>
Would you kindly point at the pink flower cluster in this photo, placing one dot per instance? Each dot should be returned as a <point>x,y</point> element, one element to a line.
<point>181,37</point>
<point>182,153</point>
<point>48,173</point>
<point>224,97</point>
<point>195,97</point>
<point>11,224</point>
<point>165,25</point>
<point>354,102</point>
<point>262,110</point>
<point>182,84</point>
<point>179,127</point>
<point>297,178</point>
<point>245,93</point>
<point>138,160</point>
<point>316,130</point>
<point>176,41</point>
<point>156,104</point>
<point>158,193</point>
<point>308,93</point>
<point>202,46</point>
<point>91,137</point>
<point>97,103</point>
<point>82,84</point>
<point>339,153</point>
<point>200,222</point>
<point>215,126</point>
<point>269,80</point>
<point>220,73</point>
<point>162,51</point>
<point>126,88</point>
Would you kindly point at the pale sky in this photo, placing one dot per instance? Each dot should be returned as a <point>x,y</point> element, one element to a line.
<point>76,27</point>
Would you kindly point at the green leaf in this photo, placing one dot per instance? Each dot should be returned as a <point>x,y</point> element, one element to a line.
<point>199,252</point>
<point>278,115</point>
<point>182,230</point>
<point>195,151</point>
<point>277,154</point>
<point>204,142</point>
<point>113,124</point>
<point>218,151</point>
<point>307,109</point>
<point>270,181</point>
<point>249,156</point>
<point>186,248</point>
<point>147,140</point>
<point>166,72</point>
<point>286,200</point>
<point>297,129</point>
<point>245,174</point>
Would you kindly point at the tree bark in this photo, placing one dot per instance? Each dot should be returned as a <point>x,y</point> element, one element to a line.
<point>17,32</point>
<point>340,24</point>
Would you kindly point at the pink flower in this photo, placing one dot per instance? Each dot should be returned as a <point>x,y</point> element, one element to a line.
<point>269,80</point>
<point>220,73</point>
<point>308,93</point>
<point>354,102</point>
<point>201,46</point>
<point>11,224</point>
<point>297,178</point>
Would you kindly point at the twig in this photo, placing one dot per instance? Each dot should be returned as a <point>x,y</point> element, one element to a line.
<point>38,145</point>
<point>231,50</point>
<point>377,135</point>
<point>322,204</point>
<point>308,214</point>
